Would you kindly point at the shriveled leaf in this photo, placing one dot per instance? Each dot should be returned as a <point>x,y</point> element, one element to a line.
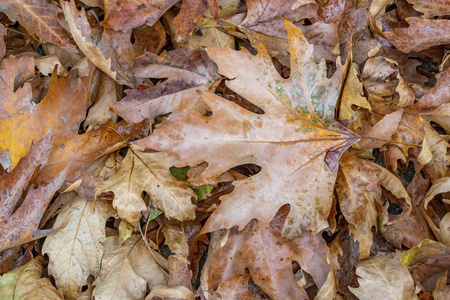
<point>75,251</point>
<point>296,142</point>
<point>148,172</point>
<point>20,224</point>
<point>40,18</point>
<point>127,269</point>
<point>26,283</point>
<point>384,277</point>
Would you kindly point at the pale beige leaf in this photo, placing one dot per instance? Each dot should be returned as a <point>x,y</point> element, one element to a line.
<point>442,290</point>
<point>179,292</point>
<point>76,250</point>
<point>384,278</point>
<point>25,283</point>
<point>125,231</point>
<point>148,172</point>
<point>127,269</point>
<point>431,8</point>
<point>46,64</point>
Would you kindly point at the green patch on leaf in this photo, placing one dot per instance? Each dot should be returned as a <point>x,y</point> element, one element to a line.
<point>179,173</point>
<point>202,193</point>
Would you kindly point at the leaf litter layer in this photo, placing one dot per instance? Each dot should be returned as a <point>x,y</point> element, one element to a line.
<point>224,149</point>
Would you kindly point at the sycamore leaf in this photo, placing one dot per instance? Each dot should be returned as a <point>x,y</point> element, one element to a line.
<point>40,18</point>
<point>75,251</point>
<point>296,141</point>
<point>20,224</point>
<point>26,283</point>
<point>268,258</point>
<point>148,172</point>
<point>384,277</point>
<point>420,35</point>
<point>127,269</point>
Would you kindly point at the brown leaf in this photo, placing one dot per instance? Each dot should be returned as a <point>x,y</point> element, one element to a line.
<point>128,14</point>
<point>40,18</point>
<point>20,225</point>
<point>420,35</point>
<point>298,125</point>
<point>2,42</point>
<point>431,8</point>
<point>268,258</point>
<point>187,71</point>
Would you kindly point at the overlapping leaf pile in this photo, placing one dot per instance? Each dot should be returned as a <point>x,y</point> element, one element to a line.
<point>224,149</point>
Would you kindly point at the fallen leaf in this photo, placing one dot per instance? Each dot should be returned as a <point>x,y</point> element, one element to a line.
<point>420,35</point>
<point>125,15</point>
<point>298,125</point>
<point>76,250</point>
<point>26,283</point>
<point>127,269</point>
<point>384,277</point>
<point>40,18</point>
<point>442,290</point>
<point>431,8</point>
<point>20,224</point>
<point>148,172</point>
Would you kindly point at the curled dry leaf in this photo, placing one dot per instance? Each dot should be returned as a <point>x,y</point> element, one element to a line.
<point>427,262</point>
<point>20,224</point>
<point>128,268</point>
<point>296,142</point>
<point>26,283</point>
<point>40,18</point>
<point>148,172</point>
<point>76,250</point>
<point>384,277</point>
<point>442,228</point>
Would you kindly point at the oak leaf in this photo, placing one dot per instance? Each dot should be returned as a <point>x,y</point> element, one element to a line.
<point>76,250</point>
<point>296,141</point>
<point>384,277</point>
<point>26,283</point>
<point>186,70</point>
<point>20,224</point>
<point>128,268</point>
<point>148,172</point>
<point>40,18</point>
<point>268,258</point>
<point>420,35</point>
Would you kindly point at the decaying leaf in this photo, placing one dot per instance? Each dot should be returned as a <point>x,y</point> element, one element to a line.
<point>296,141</point>
<point>26,283</point>
<point>40,18</point>
<point>20,220</point>
<point>75,251</point>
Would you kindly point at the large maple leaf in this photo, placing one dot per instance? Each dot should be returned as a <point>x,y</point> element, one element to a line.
<point>296,141</point>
